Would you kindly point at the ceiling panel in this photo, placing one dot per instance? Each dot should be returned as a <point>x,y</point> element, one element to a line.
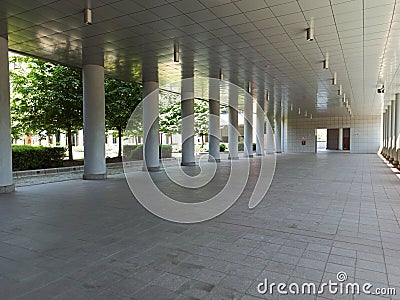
<point>252,40</point>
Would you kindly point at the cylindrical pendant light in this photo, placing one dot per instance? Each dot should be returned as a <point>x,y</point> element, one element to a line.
<point>326,61</point>
<point>88,16</point>
<point>176,52</point>
<point>310,30</point>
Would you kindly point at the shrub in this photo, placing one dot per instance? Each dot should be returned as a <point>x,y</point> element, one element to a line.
<point>135,152</point>
<point>165,151</point>
<point>241,146</point>
<point>222,147</point>
<point>26,157</point>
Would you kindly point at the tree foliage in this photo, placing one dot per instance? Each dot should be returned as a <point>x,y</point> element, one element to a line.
<point>121,97</point>
<point>170,113</point>
<point>47,98</point>
<point>201,112</point>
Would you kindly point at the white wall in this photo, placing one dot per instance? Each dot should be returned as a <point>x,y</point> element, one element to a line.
<point>365,132</point>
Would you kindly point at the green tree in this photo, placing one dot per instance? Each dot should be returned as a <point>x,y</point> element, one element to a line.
<point>201,118</point>
<point>170,113</point>
<point>122,97</point>
<point>47,98</point>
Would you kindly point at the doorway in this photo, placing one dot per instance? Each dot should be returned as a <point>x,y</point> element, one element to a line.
<point>321,140</point>
<point>332,139</point>
<point>346,138</point>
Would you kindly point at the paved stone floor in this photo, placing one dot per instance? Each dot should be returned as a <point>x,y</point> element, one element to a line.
<point>324,214</point>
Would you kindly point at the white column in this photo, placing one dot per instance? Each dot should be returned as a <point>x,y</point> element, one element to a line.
<point>383,132</point>
<point>248,125</point>
<point>340,145</point>
<point>390,133</point>
<point>187,104</point>
<point>397,132</point>
<point>260,123</point>
<point>150,126</point>
<point>233,132</point>
<point>6,177</point>
<point>393,135</point>
<point>386,131</point>
<point>94,122</point>
<point>214,131</point>
<point>278,141</point>
<point>270,135</point>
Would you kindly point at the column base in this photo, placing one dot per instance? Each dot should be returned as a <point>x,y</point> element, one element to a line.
<point>6,189</point>
<point>249,156</point>
<point>395,163</point>
<point>391,159</point>
<point>259,154</point>
<point>278,151</point>
<point>234,158</point>
<point>211,159</point>
<point>94,176</point>
<point>188,164</point>
<point>151,169</point>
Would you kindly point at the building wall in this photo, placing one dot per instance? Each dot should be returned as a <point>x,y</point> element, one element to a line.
<point>365,132</point>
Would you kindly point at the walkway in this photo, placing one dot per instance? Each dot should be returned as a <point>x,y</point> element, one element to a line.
<point>323,214</point>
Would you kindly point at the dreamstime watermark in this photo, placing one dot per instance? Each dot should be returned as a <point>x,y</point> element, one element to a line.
<point>146,187</point>
<point>339,287</point>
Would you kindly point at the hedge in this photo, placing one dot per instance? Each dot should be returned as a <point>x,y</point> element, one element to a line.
<point>222,147</point>
<point>241,146</point>
<point>135,152</point>
<point>26,157</point>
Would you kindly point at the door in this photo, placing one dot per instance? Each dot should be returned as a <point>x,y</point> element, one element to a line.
<point>332,139</point>
<point>346,138</point>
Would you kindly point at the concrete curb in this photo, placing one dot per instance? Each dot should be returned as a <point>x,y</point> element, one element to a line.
<point>41,172</point>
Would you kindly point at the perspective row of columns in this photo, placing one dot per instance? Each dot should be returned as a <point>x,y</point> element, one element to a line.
<point>391,132</point>
<point>150,114</point>
<point>94,120</point>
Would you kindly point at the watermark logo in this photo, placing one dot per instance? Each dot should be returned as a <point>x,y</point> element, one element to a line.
<point>341,287</point>
<point>149,187</point>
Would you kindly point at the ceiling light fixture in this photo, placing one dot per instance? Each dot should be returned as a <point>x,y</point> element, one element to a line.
<point>88,16</point>
<point>334,79</point>
<point>221,74</point>
<point>344,97</point>
<point>249,87</point>
<point>326,61</point>
<point>340,90</point>
<point>311,116</point>
<point>267,95</point>
<point>305,114</point>
<point>310,30</point>
<point>299,111</point>
<point>176,52</point>
<point>291,107</point>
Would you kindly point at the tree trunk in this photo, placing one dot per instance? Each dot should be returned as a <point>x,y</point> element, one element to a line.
<point>69,138</point>
<point>119,141</point>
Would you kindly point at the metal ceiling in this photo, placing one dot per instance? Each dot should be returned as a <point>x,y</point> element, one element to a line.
<point>262,41</point>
